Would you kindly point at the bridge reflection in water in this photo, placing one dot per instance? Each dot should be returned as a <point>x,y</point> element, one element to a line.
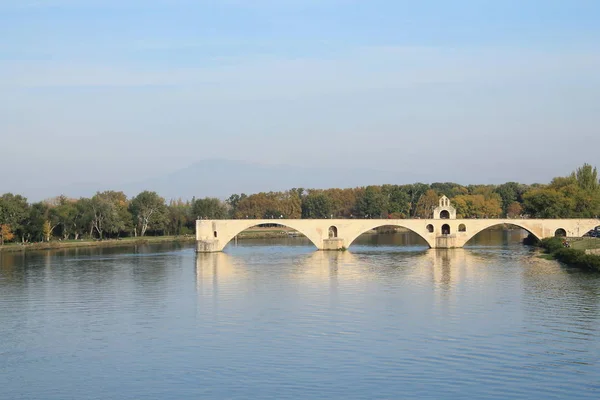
<point>441,269</point>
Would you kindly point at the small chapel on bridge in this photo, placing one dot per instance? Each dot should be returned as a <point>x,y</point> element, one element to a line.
<point>444,210</point>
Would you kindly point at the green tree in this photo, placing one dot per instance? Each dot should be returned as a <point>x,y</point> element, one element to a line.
<point>510,192</point>
<point>209,208</point>
<point>343,201</point>
<point>398,200</point>
<point>233,202</point>
<point>66,214</point>
<point>450,189</point>
<point>36,216</point>
<point>148,210</point>
<point>371,203</point>
<point>587,178</point>
<point>178,220</point>
<point>547,203</point>
<point>109,213</point>
<point>83,222</point>
<point>415,192</point>
<point>13,212</point>
<point>316,205</point>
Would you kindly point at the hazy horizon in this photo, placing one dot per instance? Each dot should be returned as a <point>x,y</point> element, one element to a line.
<point>257,177</point>
<point>112,93</point>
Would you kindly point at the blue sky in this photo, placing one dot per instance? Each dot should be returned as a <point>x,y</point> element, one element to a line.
<point>468,91</point>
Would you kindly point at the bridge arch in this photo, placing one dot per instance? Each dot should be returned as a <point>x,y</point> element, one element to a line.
<point>226,235</point>
<point>560,232</point>
<point>352,237</point>
<point>473,233</point>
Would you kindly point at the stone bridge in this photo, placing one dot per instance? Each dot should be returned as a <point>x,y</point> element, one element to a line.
<point>443,231</point>
<point>336,234</point>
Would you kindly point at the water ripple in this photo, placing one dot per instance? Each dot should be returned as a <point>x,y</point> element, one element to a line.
<point>287,322</point>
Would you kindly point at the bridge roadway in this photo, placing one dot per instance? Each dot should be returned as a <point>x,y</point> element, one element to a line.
<point>336,234</point>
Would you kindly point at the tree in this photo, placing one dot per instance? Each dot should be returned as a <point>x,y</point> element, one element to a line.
<point>208,208</point>
<point>450,189</point>
<point>47,230</point>
<point>547,203</point>
<point>102,211</point>
<point>13,212</point>
<point>6,234</point>
<point>316,205</point>
<point>342,201</point>
<point>372,203</point>
<point>37,215</point>
<point>428,201</point>
<point>398,200</point>
<point>148,210</point>
<point>233,202</point>
<point>178,219</point>
<point>514,210</point>
<point>478,206</point>
<point>415,192</point>
<point>587,178</point>
<point>288,204</point>
<point>62,213</point>
<point>510,192</point>
<point>83,221</point>
<point>109,213</point>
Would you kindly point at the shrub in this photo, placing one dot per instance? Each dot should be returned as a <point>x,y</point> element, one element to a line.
<point>571,257</point>
<point>552,244</point>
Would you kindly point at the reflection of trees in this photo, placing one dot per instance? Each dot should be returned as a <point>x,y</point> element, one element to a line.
<point>400,238</point>
<point>498,235</point>
<point>12,267</point>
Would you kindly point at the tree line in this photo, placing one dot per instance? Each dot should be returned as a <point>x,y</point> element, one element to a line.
<point>110,214</point>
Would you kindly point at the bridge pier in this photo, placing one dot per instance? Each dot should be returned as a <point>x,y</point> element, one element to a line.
<point>333,244</point>
<point>208,246</point>
<point>445,242</point>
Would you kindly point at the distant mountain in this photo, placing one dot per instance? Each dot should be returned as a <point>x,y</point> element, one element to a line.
<point>221,178</point>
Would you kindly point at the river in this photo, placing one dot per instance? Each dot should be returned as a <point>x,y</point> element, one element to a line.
<point>274,319</point>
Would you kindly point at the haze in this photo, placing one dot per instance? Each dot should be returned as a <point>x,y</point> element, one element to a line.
<point>111,92</point>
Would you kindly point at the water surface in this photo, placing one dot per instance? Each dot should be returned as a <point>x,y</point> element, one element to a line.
<point>276,319</point>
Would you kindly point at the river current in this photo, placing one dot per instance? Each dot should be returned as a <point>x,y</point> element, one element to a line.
<point>275,319</point>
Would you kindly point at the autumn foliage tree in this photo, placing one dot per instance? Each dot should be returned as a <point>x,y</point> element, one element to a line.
<point>6,234</point>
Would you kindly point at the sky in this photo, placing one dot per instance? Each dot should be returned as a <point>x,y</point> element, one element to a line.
<point>119,91</point>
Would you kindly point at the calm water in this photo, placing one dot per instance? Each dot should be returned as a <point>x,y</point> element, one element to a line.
<point>275,319</point>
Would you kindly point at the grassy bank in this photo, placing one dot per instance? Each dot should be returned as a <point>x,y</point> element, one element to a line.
<point>253,233</point>
<point>572,256</point>
<point>267,233</point>
<point>66,244</point>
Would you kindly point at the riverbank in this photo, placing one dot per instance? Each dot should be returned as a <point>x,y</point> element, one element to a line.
<point>578,255</point>
<point>268,233</point>
<point>68,244</point>
<point>253,233</point>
